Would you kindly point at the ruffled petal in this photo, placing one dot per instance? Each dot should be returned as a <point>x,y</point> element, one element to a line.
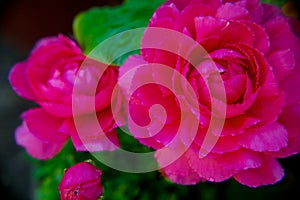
<point>86,135</point>
<point>269,172</point>
<point>237,125</point>
<point>224,166</point>
<point>290,120</point>
<point>262,41</point>
<point>57,109</point>
<point>271,137</point>
<point>34,146</point>
<point>19,81</point>
<point>226,144</point>
<point>179,171</point>
<point>44,126</point>
<point>282,62</point>
<point>230,11</point>
<point>281,36</point>
<point>107,142</point>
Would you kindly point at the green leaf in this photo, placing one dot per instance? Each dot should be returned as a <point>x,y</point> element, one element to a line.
<point>278,3</point>
<point>49,173</point>
<point>97,24</point>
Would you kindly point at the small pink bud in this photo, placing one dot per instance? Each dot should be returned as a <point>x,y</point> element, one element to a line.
<point>81,182</point>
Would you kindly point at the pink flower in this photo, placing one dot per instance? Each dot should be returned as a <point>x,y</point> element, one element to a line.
<point>48,77</point>
<point>256,50</point>
<point>81,182</point>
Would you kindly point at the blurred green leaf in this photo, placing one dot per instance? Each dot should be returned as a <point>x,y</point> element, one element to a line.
<point>278,3</point>
<point>49,173</point>
<point>97,24</point>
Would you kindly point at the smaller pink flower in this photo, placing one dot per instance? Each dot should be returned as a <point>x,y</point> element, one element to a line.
<point>81,182</point>
<point>55,73</point>
<point>48,76</point>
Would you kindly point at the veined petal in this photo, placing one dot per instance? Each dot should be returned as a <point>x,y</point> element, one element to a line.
<point>19,81</point>
<point>224,166</point>
<point>179,171</point>
<point>44,126</point>
<point>271,137</point>
<point>269,172</point>
<point>35,147</point>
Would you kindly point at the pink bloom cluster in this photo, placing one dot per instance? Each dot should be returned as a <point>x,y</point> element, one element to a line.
<point>47,77</point>
<point>81,182</point>
<point>256,50</point>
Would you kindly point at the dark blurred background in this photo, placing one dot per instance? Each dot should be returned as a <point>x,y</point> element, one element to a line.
<point>22,23</point>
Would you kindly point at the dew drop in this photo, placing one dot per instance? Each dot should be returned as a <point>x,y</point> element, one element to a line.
<point>211,179</point>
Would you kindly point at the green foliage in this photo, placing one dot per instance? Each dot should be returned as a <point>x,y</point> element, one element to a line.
<point>97,24</point>
<point>278,3</point>
<point>128,143</point>
<point>49,173</point>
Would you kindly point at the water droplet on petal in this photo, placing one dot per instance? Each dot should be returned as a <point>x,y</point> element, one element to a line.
<point>211,179</point>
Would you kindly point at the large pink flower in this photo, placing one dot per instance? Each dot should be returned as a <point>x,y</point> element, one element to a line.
<point>48,77</point>
<point>256,51</point>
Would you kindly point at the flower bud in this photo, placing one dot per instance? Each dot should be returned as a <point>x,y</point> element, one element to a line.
<point>81,182</point>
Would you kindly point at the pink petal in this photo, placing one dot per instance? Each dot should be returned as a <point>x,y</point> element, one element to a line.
<point>226,144</point>
<point>94,84</point>
<point>237,125</point>
<point>234,110</point>
<point>282,62</point>
<point>182,4</point>
<point>107,142</point>
<point>292,148</point>
<point>267,109</point>
<point>60,40</point>
<point>57,109</point>
<point>151,142</point>
<point>255,8</point>
<point>270,172</point>
<point>262,41</point>
<point>179,171</point>
<point>192,11</point>
<point>206,26</point>
<point>19,81</point>
<point>290,120</point>
<point>35,147</point>
<point>289,86</point>
<point>128,70</point>
<point>106,119</point>
<point>235,87</point>
<point>236,32</point>
<point>271,137</point>
<point>231,11</point>
<point>87,136</point>
<point>270,12</point>
<point>224,166</point>
<point>165,11</point>
<point>281,36</point>
<point>44,126</point>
